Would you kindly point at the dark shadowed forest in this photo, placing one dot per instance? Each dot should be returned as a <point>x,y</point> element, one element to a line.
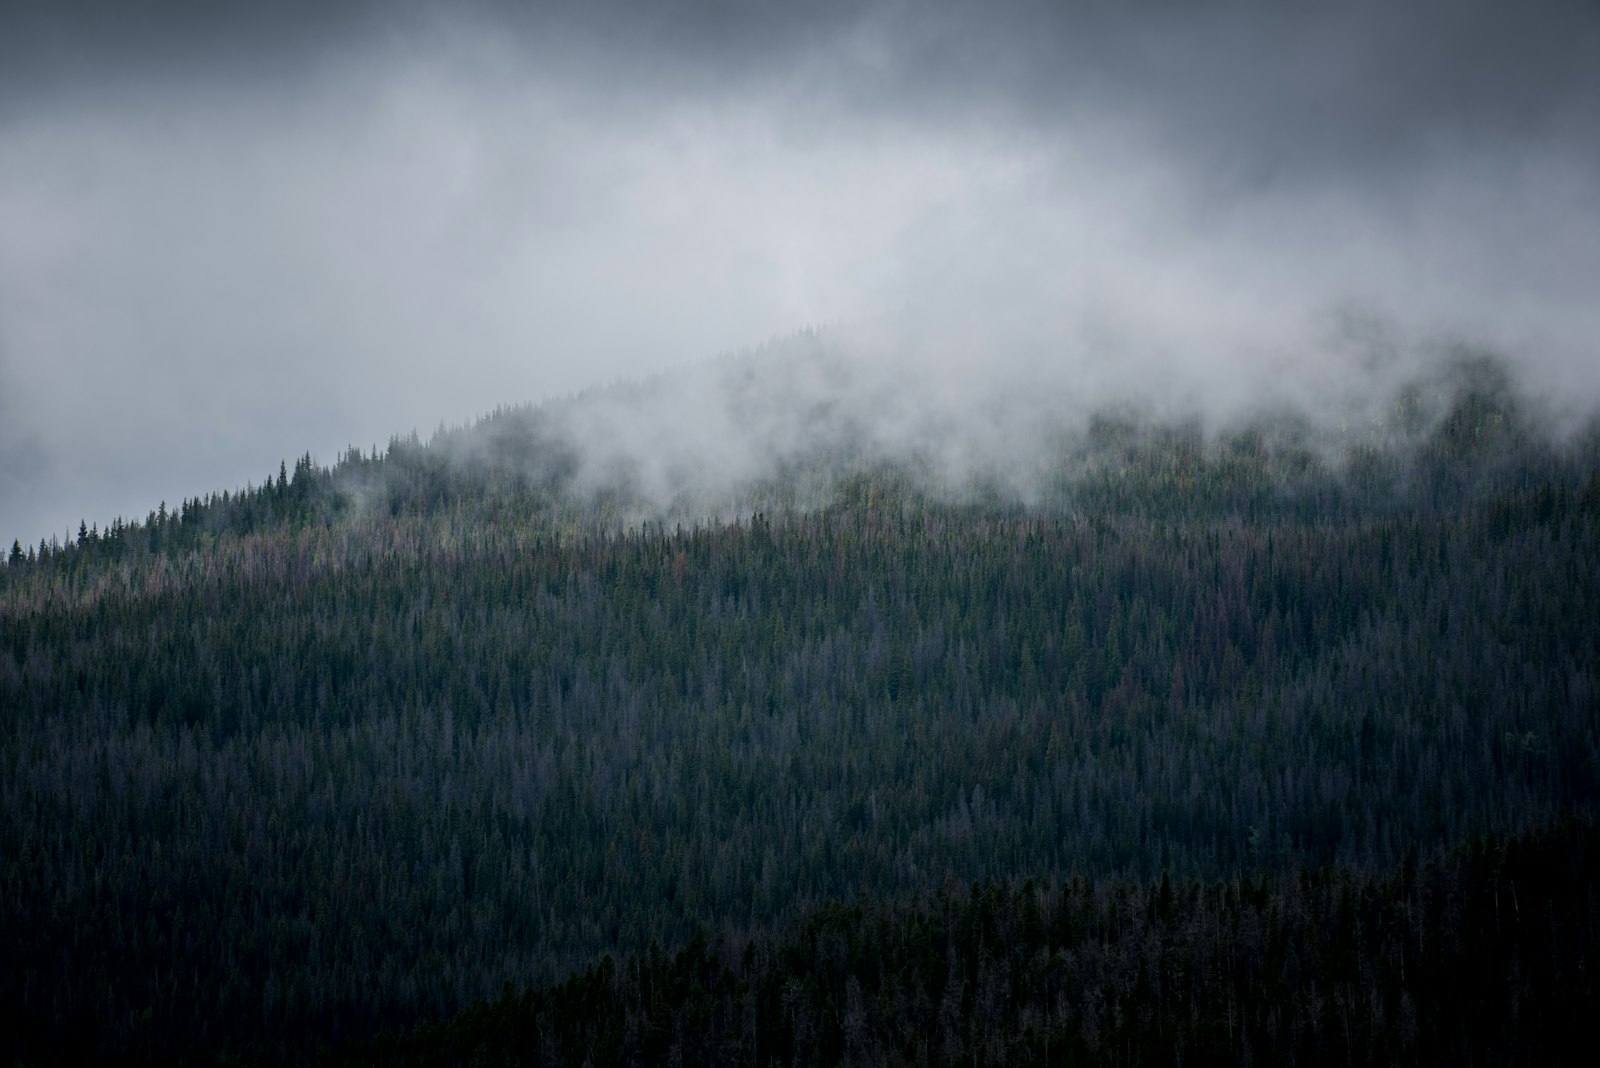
<point>1484,954</point>
<point>1220,744</point>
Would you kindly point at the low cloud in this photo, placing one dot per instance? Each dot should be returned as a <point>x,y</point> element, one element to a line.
<point>385,224</point>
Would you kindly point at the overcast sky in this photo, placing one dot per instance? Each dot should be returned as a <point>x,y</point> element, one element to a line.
<point>231,233</point>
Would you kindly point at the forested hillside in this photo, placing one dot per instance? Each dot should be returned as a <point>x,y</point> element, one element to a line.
<point>349,751</point>
<point>1481,954</point>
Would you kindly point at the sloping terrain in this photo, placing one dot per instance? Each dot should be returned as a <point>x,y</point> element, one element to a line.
<point>350,751</point>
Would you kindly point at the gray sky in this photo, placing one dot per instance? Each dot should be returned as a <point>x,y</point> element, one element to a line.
<point>232,233</point>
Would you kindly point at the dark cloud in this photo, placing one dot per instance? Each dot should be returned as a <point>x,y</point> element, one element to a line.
<point>1269,84</point>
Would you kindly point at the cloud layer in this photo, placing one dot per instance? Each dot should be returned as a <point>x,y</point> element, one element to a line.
<point>228,238</point>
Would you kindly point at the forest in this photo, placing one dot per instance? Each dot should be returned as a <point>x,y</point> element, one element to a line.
<point>1227,744</point>
<point>1437,963</point>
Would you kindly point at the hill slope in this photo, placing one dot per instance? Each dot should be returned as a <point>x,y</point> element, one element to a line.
<point>349,751</point>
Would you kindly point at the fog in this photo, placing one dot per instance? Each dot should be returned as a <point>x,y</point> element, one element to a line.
<point>229,236</point>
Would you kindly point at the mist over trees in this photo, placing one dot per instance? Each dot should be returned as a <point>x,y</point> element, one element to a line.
<point>781,428</point>
<point>1145,612</point>
<point>347,751</point>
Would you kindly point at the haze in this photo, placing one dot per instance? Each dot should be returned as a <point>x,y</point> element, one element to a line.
<point>230,234</point>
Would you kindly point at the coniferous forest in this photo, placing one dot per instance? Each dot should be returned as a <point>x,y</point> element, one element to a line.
<point>1226,745</point>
